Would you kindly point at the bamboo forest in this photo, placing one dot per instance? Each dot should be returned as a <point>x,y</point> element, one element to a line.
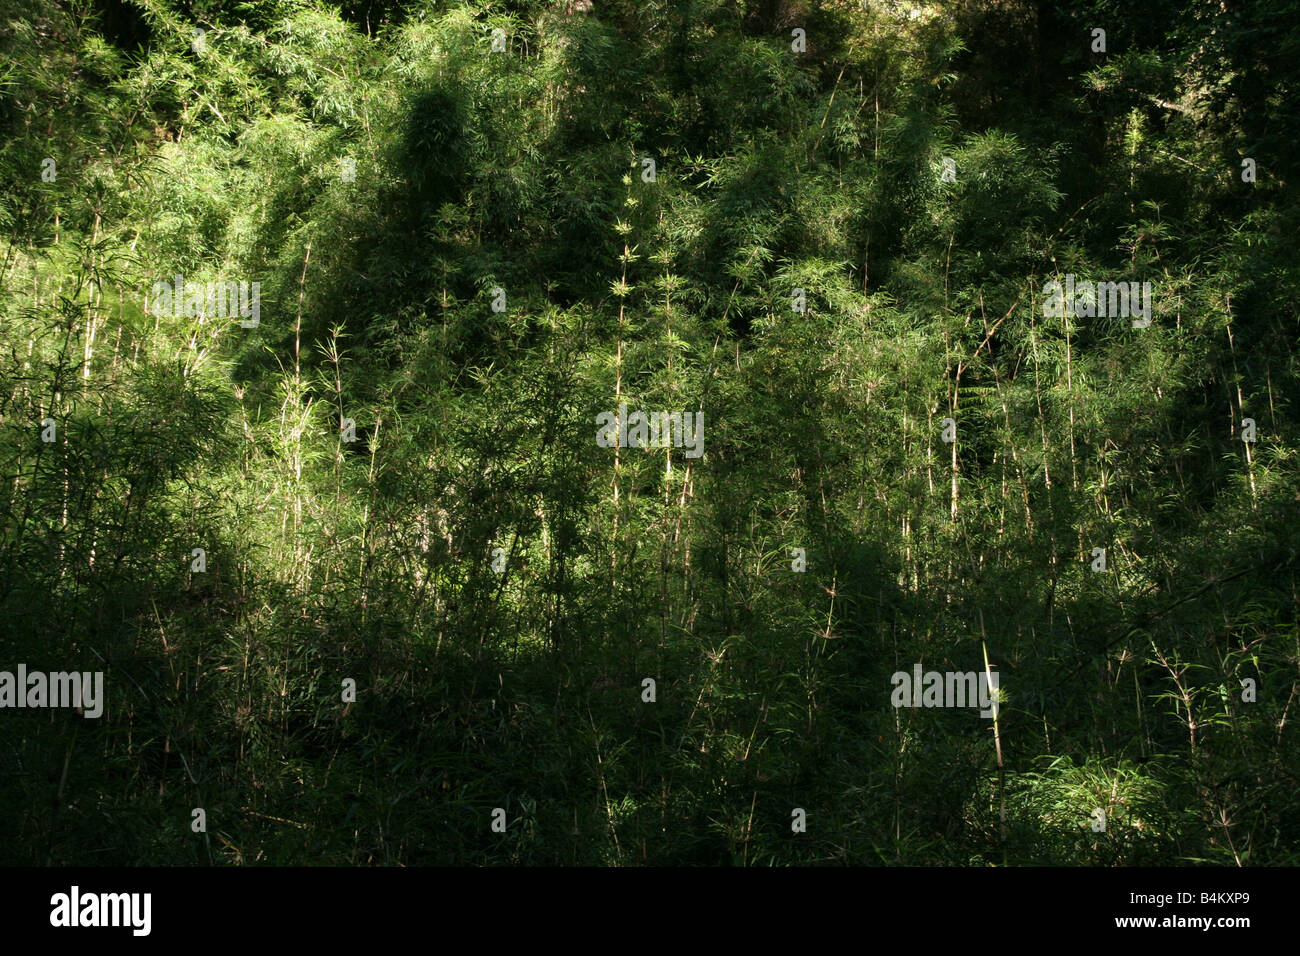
<point>594,433</point>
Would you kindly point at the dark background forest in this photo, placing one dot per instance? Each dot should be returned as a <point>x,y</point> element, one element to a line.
<point>498,585</point>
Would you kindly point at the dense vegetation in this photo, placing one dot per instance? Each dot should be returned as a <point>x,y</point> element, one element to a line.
<point>497,583</point>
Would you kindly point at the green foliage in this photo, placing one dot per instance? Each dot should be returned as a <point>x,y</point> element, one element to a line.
<point>498,584</point>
